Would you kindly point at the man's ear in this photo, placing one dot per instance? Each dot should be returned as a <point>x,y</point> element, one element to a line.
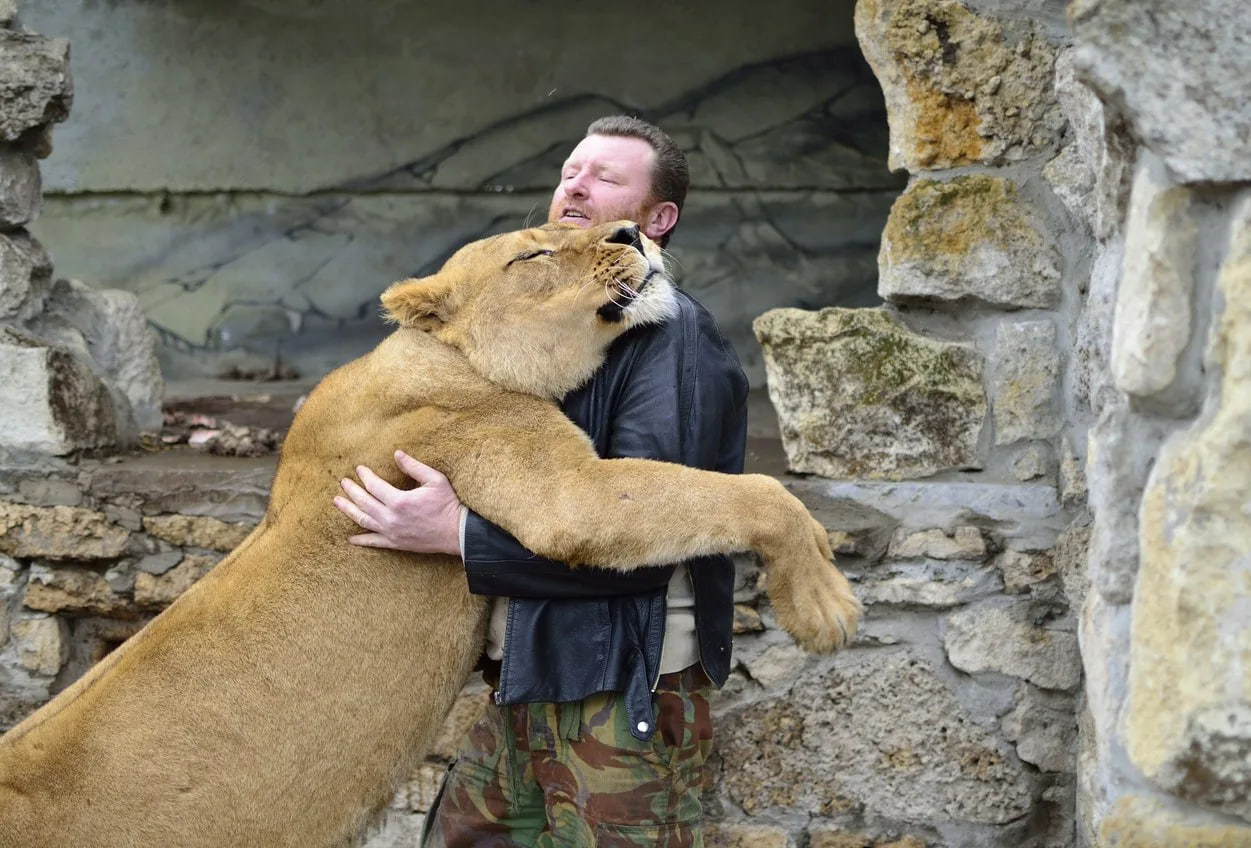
<point>422,304</point>
<point>660,219</point>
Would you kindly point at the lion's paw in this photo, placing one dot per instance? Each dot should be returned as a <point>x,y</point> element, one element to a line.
<point>814,602</point>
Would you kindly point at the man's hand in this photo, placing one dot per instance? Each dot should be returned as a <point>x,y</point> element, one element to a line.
<point>424,520</point>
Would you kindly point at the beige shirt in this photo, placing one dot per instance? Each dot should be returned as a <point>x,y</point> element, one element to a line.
<point>679,650</point>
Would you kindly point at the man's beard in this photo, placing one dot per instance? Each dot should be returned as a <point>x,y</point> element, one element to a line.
<point>593,218</point>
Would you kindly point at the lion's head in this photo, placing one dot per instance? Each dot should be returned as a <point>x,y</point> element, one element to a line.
<point>535,310</point>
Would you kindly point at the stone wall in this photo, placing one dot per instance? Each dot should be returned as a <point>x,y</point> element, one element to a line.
<point>1064,276</point>
<point>1033,460</point>
<point>1161,105</point>
<point>257,171</point>
<point>77,368</point>
<point>89,553</point>
<point>953,443</point>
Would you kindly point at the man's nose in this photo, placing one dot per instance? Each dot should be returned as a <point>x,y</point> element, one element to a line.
<point>574,187</point>
<point>627,235</point>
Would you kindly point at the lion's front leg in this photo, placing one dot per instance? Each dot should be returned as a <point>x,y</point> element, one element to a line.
<point>652,513</point>
<point>564,503</point>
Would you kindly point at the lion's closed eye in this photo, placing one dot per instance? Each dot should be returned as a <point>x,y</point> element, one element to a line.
<point>530,254</point>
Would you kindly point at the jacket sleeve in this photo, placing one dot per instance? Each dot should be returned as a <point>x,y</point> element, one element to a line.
<point>683,395</point>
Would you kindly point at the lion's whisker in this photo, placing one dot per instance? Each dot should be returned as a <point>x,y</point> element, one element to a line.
<point>590,281</point>
<point>611,295</point>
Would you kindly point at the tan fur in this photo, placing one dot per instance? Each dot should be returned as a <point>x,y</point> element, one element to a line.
<point>280,699</point>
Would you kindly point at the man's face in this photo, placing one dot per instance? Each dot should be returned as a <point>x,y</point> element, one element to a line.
<point>606,178</point>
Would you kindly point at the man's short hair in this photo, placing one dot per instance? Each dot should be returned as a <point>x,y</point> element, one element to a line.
<point>670,175</point>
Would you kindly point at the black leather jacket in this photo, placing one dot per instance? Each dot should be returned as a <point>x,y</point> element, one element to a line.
<point>674,392</point>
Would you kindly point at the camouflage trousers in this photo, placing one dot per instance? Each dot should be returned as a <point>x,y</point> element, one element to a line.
<point>572,775</point>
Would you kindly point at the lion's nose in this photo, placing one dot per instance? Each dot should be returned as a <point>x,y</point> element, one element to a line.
<point>628,236</point>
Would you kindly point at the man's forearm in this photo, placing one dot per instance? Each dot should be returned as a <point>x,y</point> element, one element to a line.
<point>497,564</point>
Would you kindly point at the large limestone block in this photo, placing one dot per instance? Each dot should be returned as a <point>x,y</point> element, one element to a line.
<point>1022,517</point>
<point>1144,821</point>
<point>41,644</point>
<point>1004,638</point>
<point>860,395</point>
<point>1044,729</point>
<point>233,492</point>
<point>1104,634</point>
<point>1023,572</point>
<point>1026,376</point>
<point>1070,558</point>
<point>960,89</point>
<point>25,276</point>
<point>37,87</point>
<point>880,733</point>
<point>1152,320</point>
<point>50,400</point>
<point>198,531</point>
<point>36,650</point>
<point>970,237</point>
<point>963,543</point>
<point>21,191</point>
<point>76,591</point>
<point>10,584</point>
<point>59,533</point>
<point>933,584</point>
<point>1092,346</point>
<point>1092,173</point>
<point>108,328</point>
<point>1178,73</point>
<point>1188,720</point>
<point>156,591</point>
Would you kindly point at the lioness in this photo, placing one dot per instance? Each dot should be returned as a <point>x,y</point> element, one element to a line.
<point>280,700</point>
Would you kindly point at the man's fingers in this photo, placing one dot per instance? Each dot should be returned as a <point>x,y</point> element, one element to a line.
<point>367,502</point>
<point>372,540</point>
<point>419,471</point>
<point>352,511</point>
<point>375,485</point>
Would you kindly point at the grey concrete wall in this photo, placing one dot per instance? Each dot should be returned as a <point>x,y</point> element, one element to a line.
<point>256,172</point>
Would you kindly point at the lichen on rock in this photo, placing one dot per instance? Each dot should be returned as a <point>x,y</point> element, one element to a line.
<point>961,89</point>
<point>971,237</point>
<point>858,394</point>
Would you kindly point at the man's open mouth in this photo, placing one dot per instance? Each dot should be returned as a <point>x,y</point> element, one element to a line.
<point>574,214</point>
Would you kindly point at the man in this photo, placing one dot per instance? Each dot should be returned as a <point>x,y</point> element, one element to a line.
<point>599,724</point>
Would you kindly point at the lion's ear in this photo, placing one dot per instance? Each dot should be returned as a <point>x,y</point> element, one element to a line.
<point>421,304</point>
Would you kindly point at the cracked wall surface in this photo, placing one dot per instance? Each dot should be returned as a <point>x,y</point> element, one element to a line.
<point>258,172</point>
